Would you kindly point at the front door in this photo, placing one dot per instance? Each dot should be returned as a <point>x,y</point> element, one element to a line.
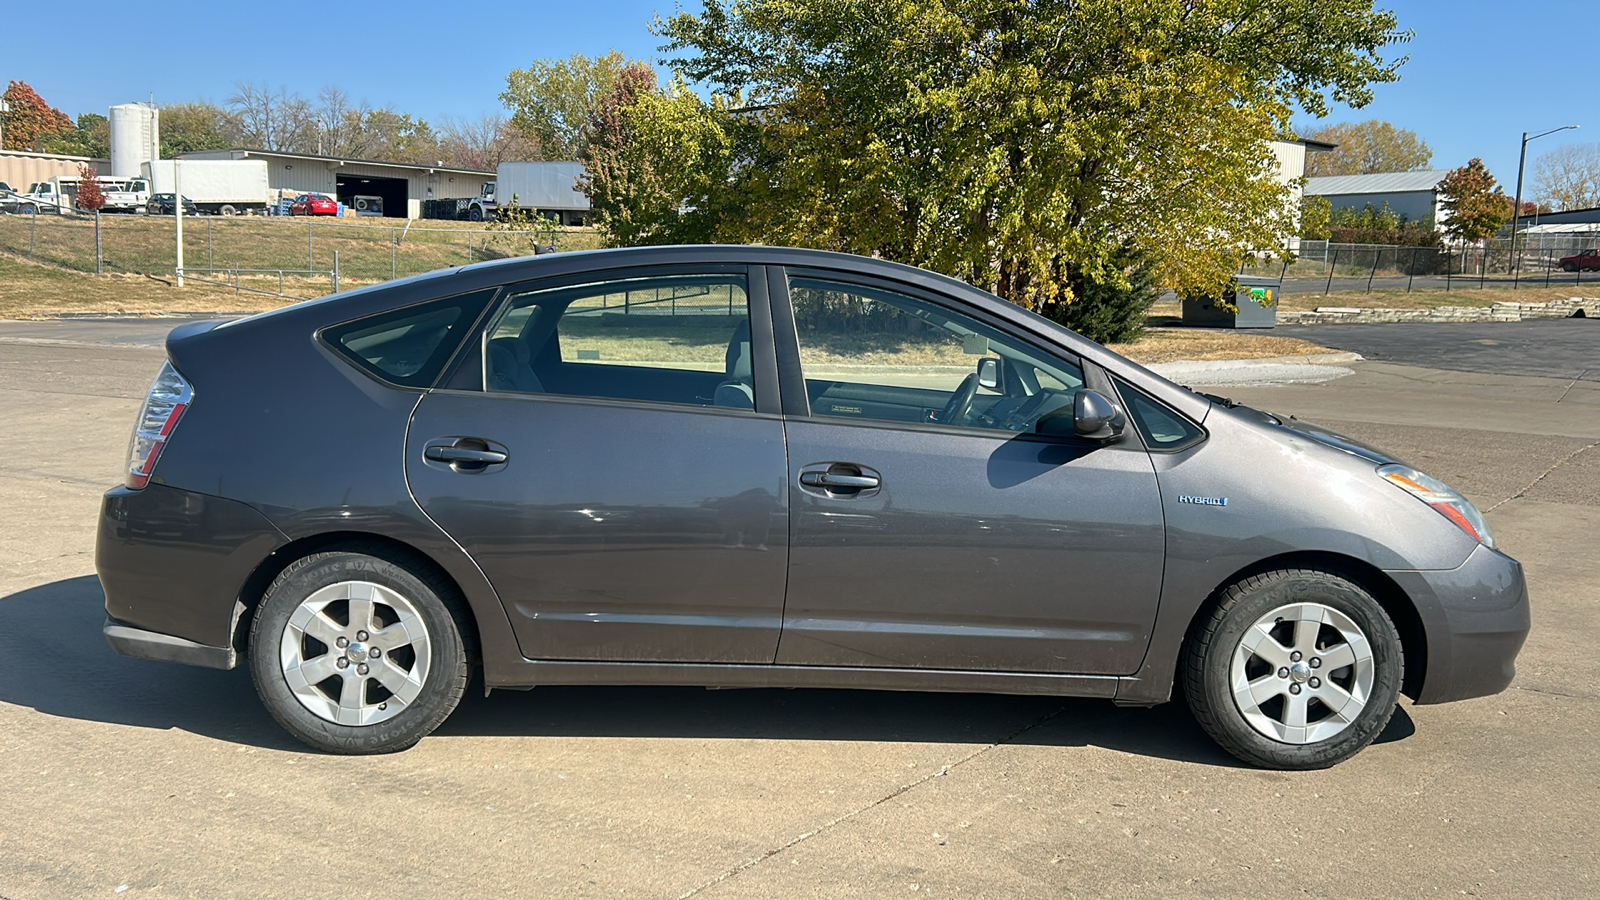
<point>931,528</point>
<point>615,471</point>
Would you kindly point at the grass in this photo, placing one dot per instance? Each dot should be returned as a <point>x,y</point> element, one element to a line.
<point>366,252</point>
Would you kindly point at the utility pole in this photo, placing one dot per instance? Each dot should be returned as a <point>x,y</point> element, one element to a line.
<point>177,215</point>
<point>1516,208</point>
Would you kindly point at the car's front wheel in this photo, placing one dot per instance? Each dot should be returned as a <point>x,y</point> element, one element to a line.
<point>354,653</point>
<point>1294,669</point>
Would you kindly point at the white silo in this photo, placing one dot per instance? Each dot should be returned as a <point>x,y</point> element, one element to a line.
<point>135,135</point>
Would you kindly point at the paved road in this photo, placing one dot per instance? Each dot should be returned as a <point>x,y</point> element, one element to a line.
<point>162,781</point>
<point>1553,348</point>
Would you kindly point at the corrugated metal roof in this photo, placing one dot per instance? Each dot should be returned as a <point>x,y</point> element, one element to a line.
<point>1376,183</point>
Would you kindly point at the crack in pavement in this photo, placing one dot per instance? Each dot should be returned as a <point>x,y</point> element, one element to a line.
<point>1550,693</point>
<point>1571,386</point>
<point>1530,485</point>
<point>897,792</point>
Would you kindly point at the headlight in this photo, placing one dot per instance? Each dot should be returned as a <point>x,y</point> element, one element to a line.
<point>1441,497</point>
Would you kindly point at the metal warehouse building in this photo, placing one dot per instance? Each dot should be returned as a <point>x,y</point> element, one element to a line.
<point>1414,195</point>
<point>399,188</point>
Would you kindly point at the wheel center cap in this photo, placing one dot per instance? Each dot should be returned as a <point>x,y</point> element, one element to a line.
<point>1299,672</point>
<point>357,651</point>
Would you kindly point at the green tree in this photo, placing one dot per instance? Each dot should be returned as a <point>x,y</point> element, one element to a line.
<point>1475,207</point>
<point>1365,147</point>
<point>656,161</point>
<point>551,100</point>
<point>189,127</point>
<point>91,137</point>
<point>1017,145</point>
<point>1316,218</point>
<point>29,120</point>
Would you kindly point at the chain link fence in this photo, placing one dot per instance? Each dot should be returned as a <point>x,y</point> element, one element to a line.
<point>291,257</point>
<point>1321,266</point>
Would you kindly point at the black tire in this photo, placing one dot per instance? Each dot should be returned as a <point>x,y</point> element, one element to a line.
<point>444,674</point>
<point>1569,267</point>
<point>1209,657</point>
<point>475,214</point>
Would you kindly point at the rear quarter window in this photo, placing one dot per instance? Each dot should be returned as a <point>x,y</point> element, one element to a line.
<point>411,345</point>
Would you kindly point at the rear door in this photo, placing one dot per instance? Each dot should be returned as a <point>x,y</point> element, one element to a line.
<point>931,527</point>
<point>612,458</point>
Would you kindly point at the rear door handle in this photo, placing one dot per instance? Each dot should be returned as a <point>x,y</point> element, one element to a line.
<point>837,480</point>
<point>464,455</point>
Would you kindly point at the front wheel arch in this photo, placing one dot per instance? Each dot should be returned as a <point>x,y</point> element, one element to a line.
<point>386,548</point>
<point>1402,611</point>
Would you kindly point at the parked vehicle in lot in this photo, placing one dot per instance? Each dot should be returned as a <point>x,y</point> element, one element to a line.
<point>314,205</point>
<point>751,466</point>
<point>224,187</point>
<point>128,195</point>
<point>1585,261</point>
<point>161,205</point>
<point>547,188</point>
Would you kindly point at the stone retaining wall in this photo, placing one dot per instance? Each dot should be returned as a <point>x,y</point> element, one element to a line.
<point>1499,312</point>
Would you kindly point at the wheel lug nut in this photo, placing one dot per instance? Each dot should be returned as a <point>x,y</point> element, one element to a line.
<point>342,643</point>
<point>1295,656</point>
<point>1283,673</point>
<point>1316,662</point>
<point>341,662</point>
<point>383,705</point>
<point>361,669</point>
<point>1316,683</point>
<point>375,652</point>
<point>1294,688</point>
<point>361,635</point>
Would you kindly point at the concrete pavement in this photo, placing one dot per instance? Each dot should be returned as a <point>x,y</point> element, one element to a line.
<point>164,781</point>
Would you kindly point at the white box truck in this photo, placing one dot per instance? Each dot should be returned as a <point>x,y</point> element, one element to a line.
<point>550,188</point>
<point>224,187</point>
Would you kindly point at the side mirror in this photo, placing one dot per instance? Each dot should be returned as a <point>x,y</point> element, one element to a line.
<point>989,373</point>
<point>1093,417</point>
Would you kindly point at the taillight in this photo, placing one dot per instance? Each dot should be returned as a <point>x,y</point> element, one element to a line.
<point>169,396</point>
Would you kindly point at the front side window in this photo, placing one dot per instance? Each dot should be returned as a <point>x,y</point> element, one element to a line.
<point>876,354</point>
<point>1161,428</point>
<point>682,339</point>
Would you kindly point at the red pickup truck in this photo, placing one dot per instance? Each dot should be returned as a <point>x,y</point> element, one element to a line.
<point>1588,259</point>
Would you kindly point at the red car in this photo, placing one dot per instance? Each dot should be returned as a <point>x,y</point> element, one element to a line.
<point>314,205</point>
<point>1588,259</point>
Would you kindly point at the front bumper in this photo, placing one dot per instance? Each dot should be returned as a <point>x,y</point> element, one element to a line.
<point>1476,618</point>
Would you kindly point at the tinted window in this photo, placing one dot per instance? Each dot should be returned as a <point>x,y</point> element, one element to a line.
<point>1161,428</point>
<point>408,346</point>
<point>870,353</point>
<point>665,339</point>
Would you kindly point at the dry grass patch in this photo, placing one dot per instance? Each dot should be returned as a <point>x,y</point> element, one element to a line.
<point>1462,295</point>
<point>1172,344</point>
<point>31,290</point>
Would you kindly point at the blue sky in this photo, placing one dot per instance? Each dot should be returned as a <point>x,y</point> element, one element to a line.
<point>1461,90</point>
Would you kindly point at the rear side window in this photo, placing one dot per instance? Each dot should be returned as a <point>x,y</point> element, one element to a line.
<point>408,346</point>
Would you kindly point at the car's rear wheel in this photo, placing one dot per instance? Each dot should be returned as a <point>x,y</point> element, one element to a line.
<point>1294,669</point>
<point>354,653</point>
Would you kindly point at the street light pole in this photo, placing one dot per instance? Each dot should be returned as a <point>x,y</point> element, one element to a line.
<point>1516,209</point>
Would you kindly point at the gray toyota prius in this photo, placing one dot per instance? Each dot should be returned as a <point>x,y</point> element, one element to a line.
<point>766,467</point>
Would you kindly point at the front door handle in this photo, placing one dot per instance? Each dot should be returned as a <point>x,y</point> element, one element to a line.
<point>464,455</point>
<point>838,480</point>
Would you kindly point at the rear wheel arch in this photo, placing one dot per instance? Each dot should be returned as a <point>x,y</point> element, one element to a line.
<point>380,546</point>
<point>1394,600</point>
